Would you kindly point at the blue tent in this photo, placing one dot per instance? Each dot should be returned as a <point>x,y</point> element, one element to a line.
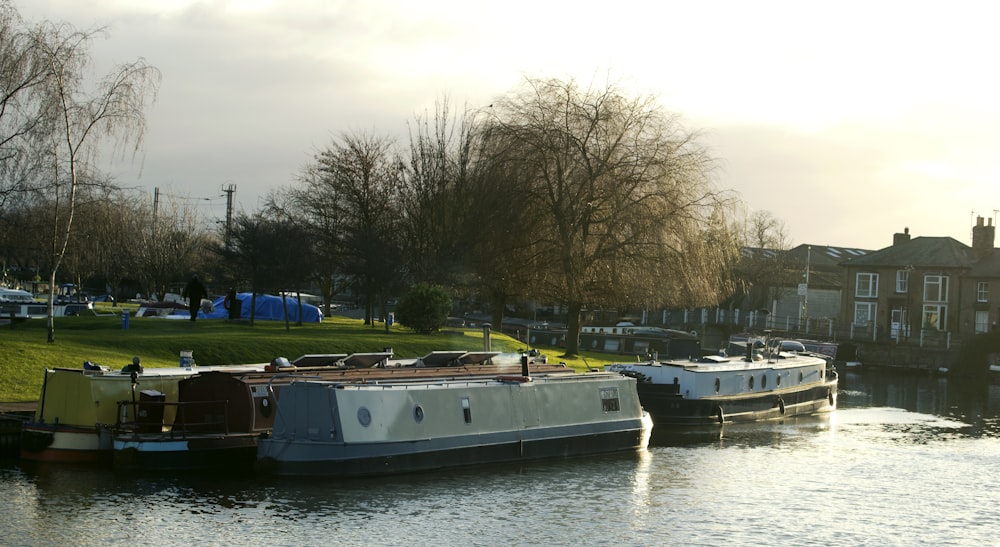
<point>269,307</point>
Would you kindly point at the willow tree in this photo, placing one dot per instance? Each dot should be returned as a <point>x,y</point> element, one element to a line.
<point>82,120</point>
<point>23,75</point>
<point>620,189</point>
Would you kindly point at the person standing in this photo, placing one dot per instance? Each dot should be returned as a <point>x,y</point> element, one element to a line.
<point>194,291</point>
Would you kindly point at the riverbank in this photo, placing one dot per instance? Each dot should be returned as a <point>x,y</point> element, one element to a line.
<point>158,343</point>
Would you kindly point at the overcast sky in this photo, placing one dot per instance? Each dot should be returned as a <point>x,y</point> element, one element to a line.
<point>849,121</point>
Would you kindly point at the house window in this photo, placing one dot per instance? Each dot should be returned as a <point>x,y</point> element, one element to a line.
<point>982,321</point>
<point>935,316</point>
<point>867,286</point>
<point>982,292</point>
<point>864,313</point>
<point>902,281</point>
<point>935,288</point>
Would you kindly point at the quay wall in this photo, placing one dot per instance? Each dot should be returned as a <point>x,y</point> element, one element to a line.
<point>908,357</point>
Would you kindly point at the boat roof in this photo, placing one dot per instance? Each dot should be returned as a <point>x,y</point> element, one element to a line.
<point>716,363</point>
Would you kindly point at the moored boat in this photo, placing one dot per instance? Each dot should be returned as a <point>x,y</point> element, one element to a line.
<point>218,416</point>
<point>765,382</point>
<point>333,429</point>
<point>78,408</point>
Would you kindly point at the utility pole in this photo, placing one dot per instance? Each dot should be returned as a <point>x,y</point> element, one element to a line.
<point>230,190</point>
<point>156,203</point>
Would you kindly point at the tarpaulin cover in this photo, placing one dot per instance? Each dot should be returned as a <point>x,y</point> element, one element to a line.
<point>269,307</point>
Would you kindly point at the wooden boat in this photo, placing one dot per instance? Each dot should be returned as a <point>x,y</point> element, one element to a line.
<point>219,416</point>
<point>335,429</point>
<point>78,408</point>
<point>766,382</point>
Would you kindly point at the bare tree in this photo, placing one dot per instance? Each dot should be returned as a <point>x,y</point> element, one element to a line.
<point>437,194</point>
<point>358,176</point>
<point>81,118</point>
<point>320,222</point>
<point>762,269</point>
<point>171,245</point>
<point>621,189</point>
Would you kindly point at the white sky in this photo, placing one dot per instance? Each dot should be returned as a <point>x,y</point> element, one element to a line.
<point>848,120</point>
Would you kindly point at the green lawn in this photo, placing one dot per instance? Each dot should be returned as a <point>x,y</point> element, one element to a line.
<point>25,352</point>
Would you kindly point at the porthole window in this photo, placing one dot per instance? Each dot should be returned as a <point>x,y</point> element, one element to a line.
<point>364,417</point>
<point>751,382</point>
<point>717,385</point>
<point>418,413</point>
<point>777,381</point>
<point>800,377</point>
<point>763,381</point>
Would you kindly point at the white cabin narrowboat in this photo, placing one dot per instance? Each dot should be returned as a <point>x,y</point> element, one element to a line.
<point>764,383</point>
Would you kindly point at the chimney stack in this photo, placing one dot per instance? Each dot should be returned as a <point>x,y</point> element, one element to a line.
<point>983,238</point>
<point>900,238</point>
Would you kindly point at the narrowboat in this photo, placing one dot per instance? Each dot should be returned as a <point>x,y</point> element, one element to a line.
<point>78,408</point>
<point>336,429</point>
<point>218,416</point>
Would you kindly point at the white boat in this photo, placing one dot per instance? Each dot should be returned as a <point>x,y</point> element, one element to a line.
<point>332,429</point>
<point>763,383</point>
<point>23,305</point>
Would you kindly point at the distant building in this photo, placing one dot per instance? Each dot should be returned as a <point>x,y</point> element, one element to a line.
<point>923,287</point>
<point>801,285</point>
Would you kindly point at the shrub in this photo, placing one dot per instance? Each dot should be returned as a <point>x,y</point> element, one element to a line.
<point>424,309</point>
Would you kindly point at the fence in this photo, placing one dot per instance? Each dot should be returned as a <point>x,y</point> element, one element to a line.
<point>736,320</point>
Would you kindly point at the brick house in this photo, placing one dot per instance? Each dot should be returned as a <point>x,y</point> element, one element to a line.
<point>924,288</point>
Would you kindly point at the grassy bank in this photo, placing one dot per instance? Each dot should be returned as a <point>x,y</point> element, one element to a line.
<point>25,353</point>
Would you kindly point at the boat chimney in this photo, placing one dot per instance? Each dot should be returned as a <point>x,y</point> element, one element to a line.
<point>487,345</point>
<point>524,365</point>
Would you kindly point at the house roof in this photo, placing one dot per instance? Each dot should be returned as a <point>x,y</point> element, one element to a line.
<point>820,256</point>
<point>816,255</point>
<point>988,266</point>
<point>920,252</point>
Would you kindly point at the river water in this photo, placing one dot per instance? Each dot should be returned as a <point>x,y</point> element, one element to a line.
<point>905,460</point>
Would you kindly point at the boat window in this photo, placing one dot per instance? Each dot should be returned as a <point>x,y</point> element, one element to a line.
<point>751,382</point>
<point>717,385</point>
<point>800,376</point>
<point>466,410</point>
<point>763,381</point>
<point>777,380</point>
<point>364,416</point>
<point>609,399</point>
<point>418,413</point>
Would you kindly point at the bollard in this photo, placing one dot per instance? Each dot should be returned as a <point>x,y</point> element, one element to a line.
<point>124,319</point>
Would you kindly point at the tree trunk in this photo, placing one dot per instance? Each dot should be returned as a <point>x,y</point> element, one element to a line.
<point>499,304</point>
<point>50,318</point>
<point>573,329</point>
